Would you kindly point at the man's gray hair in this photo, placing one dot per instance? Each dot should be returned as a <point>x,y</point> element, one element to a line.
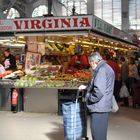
<point>95,56</point>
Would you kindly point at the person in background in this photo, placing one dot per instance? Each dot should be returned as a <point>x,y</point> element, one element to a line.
<point>124,78</point>
<point>99,95</point>
<point>138,67</point>
<point>74,61</point>
<point>133,73</point>
<point>9,61</point>
<point>84,60</point>
<point>116,70</point>
<point>79,61</point>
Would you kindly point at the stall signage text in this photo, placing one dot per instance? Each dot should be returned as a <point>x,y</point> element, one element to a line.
<point>5,25</point>
<point>106,28</point>
<point>102,26</point>
<point>49,23</point>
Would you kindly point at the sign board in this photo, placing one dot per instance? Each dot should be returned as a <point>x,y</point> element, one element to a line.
<point>47,24</point>
<point>104,27</point>
<point>69,23</point>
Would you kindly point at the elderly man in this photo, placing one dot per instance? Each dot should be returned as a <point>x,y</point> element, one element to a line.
<point>99,95</point>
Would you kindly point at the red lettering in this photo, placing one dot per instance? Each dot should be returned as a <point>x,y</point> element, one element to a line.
<point>35,24</point>
<point>75,22</point>
<point>18,23</point>
<point>47,22</point>
<point>26,24</point>
<point>84,22</point>
<point>56,23</point>
<point>44,23</point>
<point>66,22</point>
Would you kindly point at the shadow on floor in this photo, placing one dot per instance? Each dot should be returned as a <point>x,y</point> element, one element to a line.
<point>57,133</point>
<point>128,112</point>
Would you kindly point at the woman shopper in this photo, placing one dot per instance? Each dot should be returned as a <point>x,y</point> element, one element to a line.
<point>99,96</point>
<point>124,78</point>
<point>133,74</point>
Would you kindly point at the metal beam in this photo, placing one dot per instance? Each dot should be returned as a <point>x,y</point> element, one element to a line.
<point>49,7</point>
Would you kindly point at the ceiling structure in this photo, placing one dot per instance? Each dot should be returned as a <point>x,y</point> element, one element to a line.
<point>20,5</point>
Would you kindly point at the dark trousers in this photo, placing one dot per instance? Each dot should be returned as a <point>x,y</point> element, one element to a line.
<point>99,125</point>
<point>117,86</point>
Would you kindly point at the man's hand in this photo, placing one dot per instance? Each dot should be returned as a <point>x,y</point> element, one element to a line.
<point>82,87</point>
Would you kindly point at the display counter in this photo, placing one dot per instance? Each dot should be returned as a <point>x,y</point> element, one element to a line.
<point>38,100</point>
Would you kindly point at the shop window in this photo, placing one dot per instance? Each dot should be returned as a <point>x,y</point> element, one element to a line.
<point>40,11</point>
<point>13,13</point>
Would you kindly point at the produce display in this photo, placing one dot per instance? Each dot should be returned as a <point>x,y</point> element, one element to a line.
<point>11,75</point>
<point>27,81</point>
<point>61,48</point>
<point>51,75</point>
<point>59,80</point>
<point>82,75</point>
<point>32,81</point>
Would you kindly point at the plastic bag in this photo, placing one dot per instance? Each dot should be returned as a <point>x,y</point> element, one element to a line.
<point>115,106</point>
<point>124,91</point>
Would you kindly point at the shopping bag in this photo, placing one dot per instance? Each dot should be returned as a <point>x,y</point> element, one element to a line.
<point>115,106</point>
<point>73,121</point>
<point>124,91</point>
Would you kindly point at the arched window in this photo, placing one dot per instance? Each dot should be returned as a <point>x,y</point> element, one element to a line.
<point>40,11</point>
<point>109,10</point>
<point>13,13</point>
<point>134,14</point>
<point>80,7</point>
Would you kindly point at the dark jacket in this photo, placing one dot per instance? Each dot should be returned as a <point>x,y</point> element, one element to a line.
<point>100,90</point>
<point>124,72</point>
<point>10,63</point>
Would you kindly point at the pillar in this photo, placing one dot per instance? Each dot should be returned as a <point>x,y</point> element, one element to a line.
<point>57,8</point>
<point>125,15</point>
<point>90,6</point>
<point>1,9</point>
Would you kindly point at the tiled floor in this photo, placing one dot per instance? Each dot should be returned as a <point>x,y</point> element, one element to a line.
<point>125,125</point>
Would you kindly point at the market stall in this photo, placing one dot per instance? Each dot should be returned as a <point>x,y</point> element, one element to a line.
<point>46,46</point>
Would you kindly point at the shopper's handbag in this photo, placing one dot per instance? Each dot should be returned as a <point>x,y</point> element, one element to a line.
<point>115,106</point>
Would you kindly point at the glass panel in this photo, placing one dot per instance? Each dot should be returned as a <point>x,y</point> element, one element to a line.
<point>40,11</point>
<point>133,27</point>
<point>13,13</point>
<point>108,10</point>
<point>80,6</point>
<point>138,27</point>
<point>98,8</point>
<point>134,14</point>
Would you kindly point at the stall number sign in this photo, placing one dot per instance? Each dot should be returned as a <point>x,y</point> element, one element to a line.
<point>48,23</point>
